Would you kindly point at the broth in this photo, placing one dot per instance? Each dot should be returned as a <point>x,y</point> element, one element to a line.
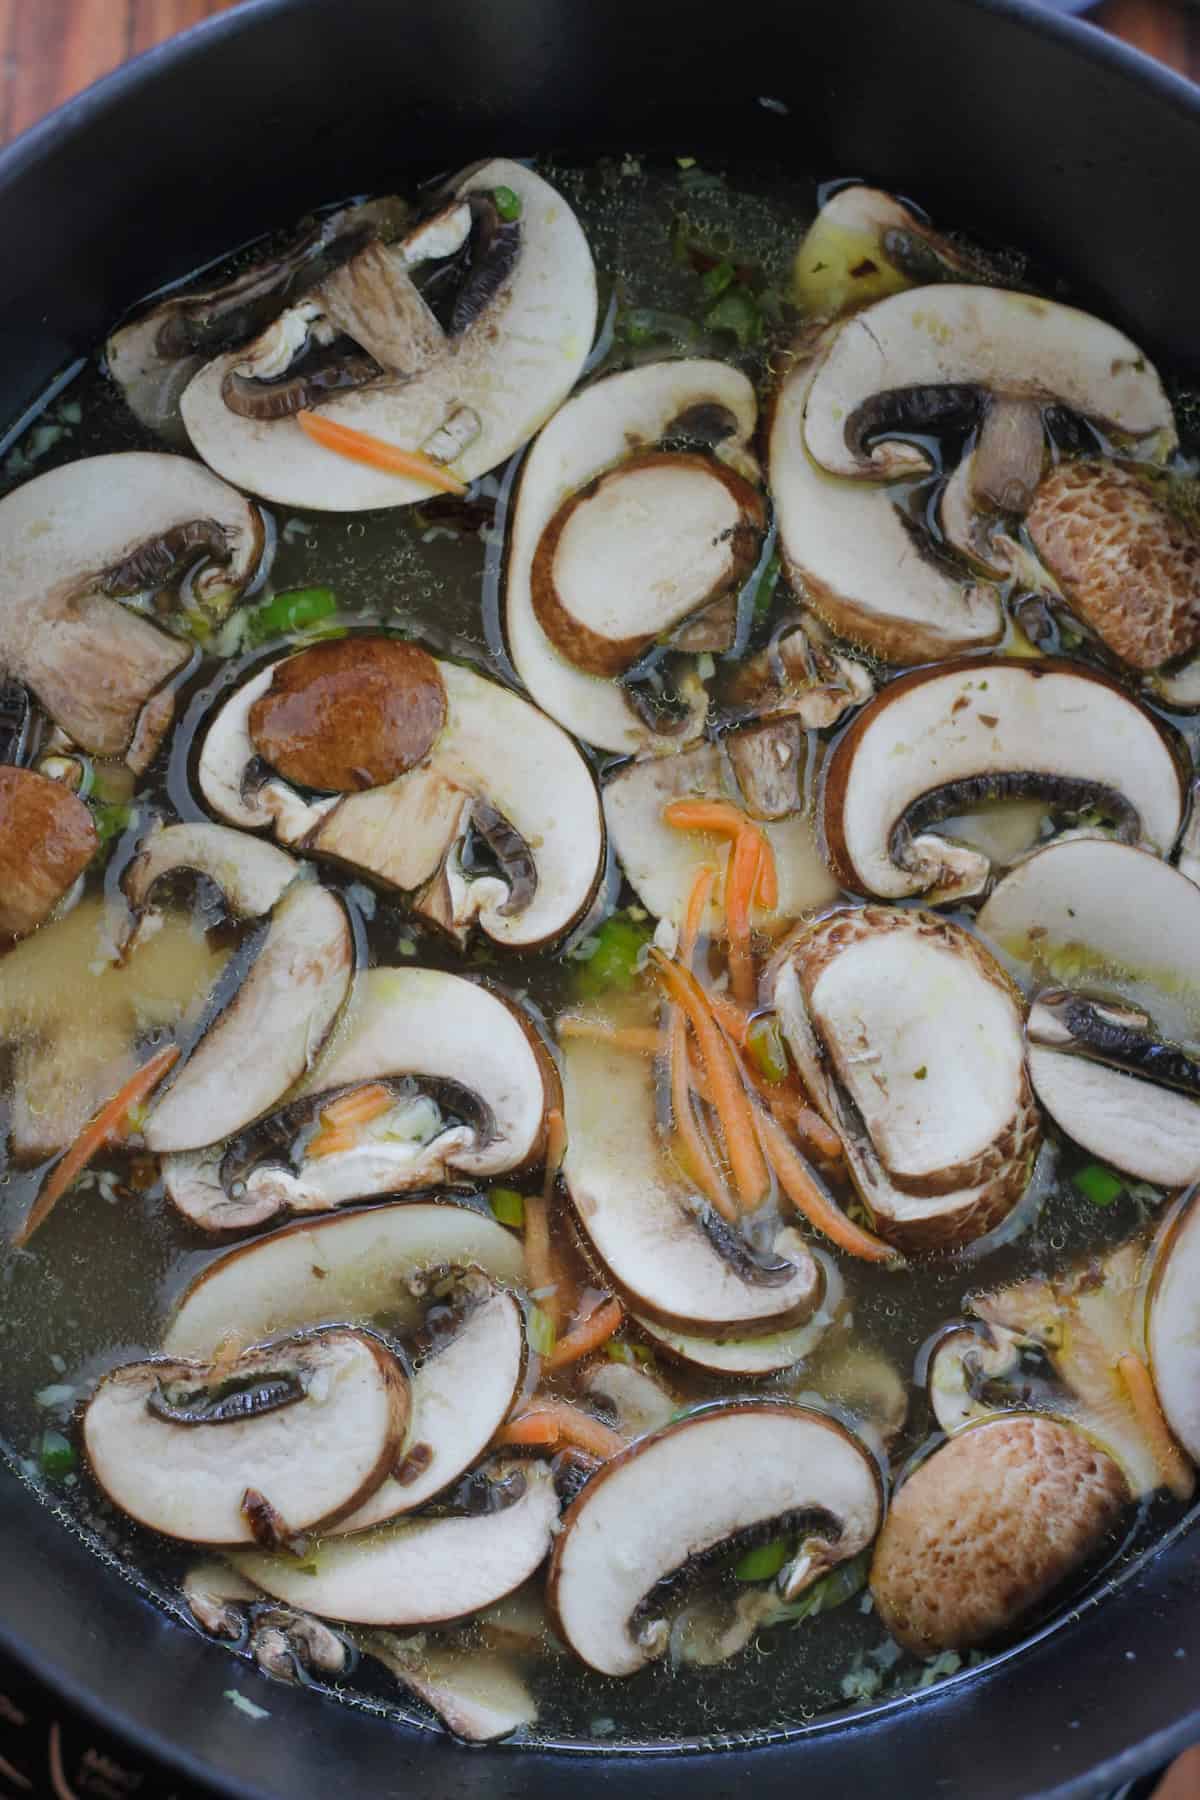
<point>95,1287</point>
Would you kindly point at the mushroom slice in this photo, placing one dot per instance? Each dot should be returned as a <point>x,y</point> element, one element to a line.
<point>797,677</point>
<point>765,1354</point>
<point>909,1037</point>
<point>479,1696</point>
<point>76,539</point>
<point>508,346</point>
<point>355,1266</point>
<point>1173,1326</point>
<point>945,740</point>
<point>217,1598</point>
<point>440,1045</point>
<point>863,244</point>
<point>639,1401</point>
<point>916,358</point>
<point>271,1031</point>
<point>869,568</point>
<point>988,1527</point>
<point>636,551</point>
<point>154,356</point>
<point>310,1426</point>
<point>47,839</point>
<point>660,863</point>
<point>419,1571</point>
<point>573,477</point>
<point>1088,908</point>
<point>462,1392</point>
<point>1116,1087</point>
<point>1126,563</point>
<point>643,1221</point>
<point>499,821</point>
<point>681,1493</point>
<point>251,875</point>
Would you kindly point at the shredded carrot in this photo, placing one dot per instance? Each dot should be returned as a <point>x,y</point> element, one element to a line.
<point>766,883</point>
<point>342,1120</point>
<point>741,879</point>
<point>360,446</point>
<point>541,1272</point>
<point>734,1020</point>
<point>107,1126</point>
<point>693,913</point>
<point>645,1040</point>
<point>803,1122</point>
<point>552,1422</point>
<point>589,1334</point>
<point>730,1099</point>
<point>808,1197</point>
<point>721,816</point>
<point>1176,1471</point>
<point>690,1147</point>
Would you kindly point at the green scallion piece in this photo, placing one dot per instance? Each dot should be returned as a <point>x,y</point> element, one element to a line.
<point>539,1328</point>
<point>294,610</point>
<point>764,593</point>
<point>735,311</point>
<point>763,1562</point>
<point>614,958</point>
<point>507,203</point>
<point>507,1205</point>
<point>111,818</point>
<point>56,1455</point>
<point>1098,1183</point>
<point>715,280</point>
<point>764,1040</point>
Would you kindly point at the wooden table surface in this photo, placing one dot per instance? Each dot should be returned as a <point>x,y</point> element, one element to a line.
<point>52,48</point>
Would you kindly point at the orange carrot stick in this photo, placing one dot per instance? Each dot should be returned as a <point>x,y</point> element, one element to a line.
<point>729,1095</point>
<point>734,1020</point>
<point>721,816</point>
<point>741,878</point>
<point>359,1106</point>
<point>552,1422</point>
<point>645,1040</point>
<point>766,886</point>
<point>803,1122</point>
<point>107,1126</point>
<point>541,1271</point>
<point>807,1196</point>
<point>691,1148</point>
<point>360,446</point>
<point>589,1334</point>
<point>1176,1471</point>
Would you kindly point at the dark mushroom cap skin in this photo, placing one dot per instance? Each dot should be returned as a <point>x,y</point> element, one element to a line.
<point>350,714</point>
<point>47,839</point>
<point>989,1526</point>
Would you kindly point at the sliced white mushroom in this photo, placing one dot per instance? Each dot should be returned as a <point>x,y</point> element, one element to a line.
<point>251,875</point>
<point>900,365</point>
<point>661,862</point>
<point>871,571</point>
<point>514,341</point>
<point>681,1492</point>
<point>355,1266</point>
<point>1116,1087</point>
<point>74,541</point>
<point>496,770</point>
<point>217,1599</point>
<point>863,244</point>
<point>419,1571</point>
<point>297,1434</point>
<point>1173,1326</point>
<point>638,1399</point>
<point>908,1035</point>
<point>945,740</point>
<point>647,1225</point>
<point>461,1395</point>
<point>468,1084</point>
<point>760,1355</point>
<point>480,1696</point>
<point>270,1033</point>
<point>593,433</point>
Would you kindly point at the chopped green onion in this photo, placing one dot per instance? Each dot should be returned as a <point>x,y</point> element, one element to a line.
<point>56,1454</point>
<point>539,1328</point>
<point>717,279</point>
<point>611,958</point>
<point>111,818</point>
<point>507,202</point>
<point>646,325</point>
<point>1098,1183</point>
<point>764,1040</point>
<point>841,1584</point>
<point>294,610</point>
<point>764,593</point>
<point>507,1205</point>
<point>735,311</point>
<point>618,1350</point>
<point>760,1564</point>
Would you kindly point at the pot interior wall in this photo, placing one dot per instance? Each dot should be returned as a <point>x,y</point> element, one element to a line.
<point>1032,133</point>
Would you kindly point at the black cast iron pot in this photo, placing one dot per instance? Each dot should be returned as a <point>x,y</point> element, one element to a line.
<point>1032,130</point>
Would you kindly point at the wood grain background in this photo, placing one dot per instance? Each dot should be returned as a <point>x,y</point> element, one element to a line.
<point>49,49</point>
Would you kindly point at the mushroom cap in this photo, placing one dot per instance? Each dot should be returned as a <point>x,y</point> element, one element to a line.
<point>511,367</point>
<point>594,432</point>
<point>863,244</point>
<point>988,1527</point>
<point>968,337</point>
<point>981,728</point>
<point>350,714</point>
<point>1173,1327</point>
<point>682,1491</point>
<point>313,1459</point>
<point>1128,565</point>
<point>47,839</point>
<point>859,561</point>
<point>479,1696</point>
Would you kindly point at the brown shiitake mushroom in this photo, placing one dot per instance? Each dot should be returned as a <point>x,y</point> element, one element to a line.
<point>47,839</point>
<point>987,1527</point>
